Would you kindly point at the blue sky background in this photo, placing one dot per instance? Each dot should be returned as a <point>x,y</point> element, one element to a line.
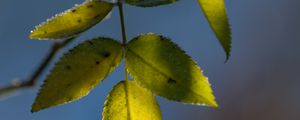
<point>259,82</point>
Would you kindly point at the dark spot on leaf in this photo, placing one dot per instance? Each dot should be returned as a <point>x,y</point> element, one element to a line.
<point>171,81</point>
<point>113,64</point>
<point>68,67</point>
<point>68,85</point>
<point>138,37</point>
<point>97,16</point>
<point>90,6</point>
<point>73,11</point>
<point>97,62</point>
<point>162,38</point>
<point>106,54</point>
<point>45,32</point>
<point>79,20</point>
<point>90,42</point>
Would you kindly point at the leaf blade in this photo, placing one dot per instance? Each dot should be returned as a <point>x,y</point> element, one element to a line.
<point>162,67</point>
<point>74,77</point>
<point>149,3</point>
<point>73,21</point>
<point>215,13</point>
<point>128,101</point>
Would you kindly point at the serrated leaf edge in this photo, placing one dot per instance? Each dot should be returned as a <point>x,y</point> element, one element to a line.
<point>63,13</point>
<point>70,52</point>
<point>213,104</point>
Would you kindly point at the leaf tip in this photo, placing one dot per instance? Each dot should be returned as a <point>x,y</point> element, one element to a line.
<point>228,49</point>
<point>36,106</point>
<point>211,102</point>
<point>214,104</point>
<point>34,34</point>
<point>227,57</point>
<point>34,109</point>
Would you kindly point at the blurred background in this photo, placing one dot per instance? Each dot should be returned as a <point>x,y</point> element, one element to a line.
<point>259,82</point>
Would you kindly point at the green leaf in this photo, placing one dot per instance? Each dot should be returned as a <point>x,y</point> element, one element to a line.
<point>149,3</point>
<point>73,21</point>
<point>78,72</point>
<point>162,67</point>
<point>215,13</point>
<point>128,101</point>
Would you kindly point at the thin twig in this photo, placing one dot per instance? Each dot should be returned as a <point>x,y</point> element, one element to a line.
<point>15,85</point>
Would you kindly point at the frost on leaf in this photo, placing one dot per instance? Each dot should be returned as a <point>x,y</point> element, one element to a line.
<point>128,101</point>
<point>78,72</point>
<point>149,3</point>
<point>73,21</point>
<point>163,68</point>
<point>215,13</point>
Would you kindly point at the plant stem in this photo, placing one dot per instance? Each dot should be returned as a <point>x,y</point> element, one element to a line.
<point>34,77</point>
<point>120,6</point>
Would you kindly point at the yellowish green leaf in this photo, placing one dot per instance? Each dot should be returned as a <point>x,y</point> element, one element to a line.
<point>73,21</point>
<point>215,13</point>
<point>162,67</point>
<point>149,3</point>
<point>128,101</point>
<point>78,72</point>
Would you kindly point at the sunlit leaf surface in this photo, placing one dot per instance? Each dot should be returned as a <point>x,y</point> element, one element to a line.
<point>215,13</point>
<point>128,101</point>
<point>78,72</point>
<point>162,67</point>
<point>149,3</point>
<point>73,21</point>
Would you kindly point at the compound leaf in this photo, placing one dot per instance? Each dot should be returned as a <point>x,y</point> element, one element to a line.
<point>73,21</point>
<point>149,3</point>
<point>162,67</point>
<point>128,101</point>
<point>215,13</point>
<point>78,72</point>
